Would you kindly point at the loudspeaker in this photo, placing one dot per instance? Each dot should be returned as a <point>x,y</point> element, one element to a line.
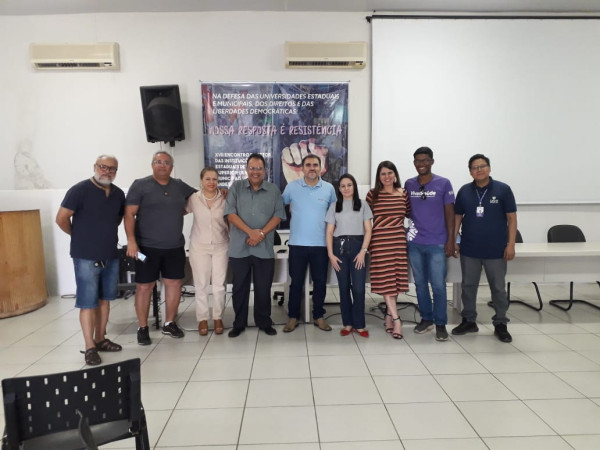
<point>161,106</point>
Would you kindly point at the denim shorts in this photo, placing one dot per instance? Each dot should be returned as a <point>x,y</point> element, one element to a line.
<point>95,282</point>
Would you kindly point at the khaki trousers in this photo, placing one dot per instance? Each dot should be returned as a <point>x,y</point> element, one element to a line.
<point>209,267</point>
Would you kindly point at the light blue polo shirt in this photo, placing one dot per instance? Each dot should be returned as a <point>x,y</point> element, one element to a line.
<point>309,205</point>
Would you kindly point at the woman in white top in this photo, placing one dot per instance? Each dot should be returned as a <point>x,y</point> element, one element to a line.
<point>348,236</point>
<point>209,241</point>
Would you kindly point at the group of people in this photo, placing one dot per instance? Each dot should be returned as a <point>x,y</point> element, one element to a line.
<point>153,210</point>
<point>234,230</point>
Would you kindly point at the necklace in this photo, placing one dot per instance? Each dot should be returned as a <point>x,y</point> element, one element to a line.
<point>209,199</point>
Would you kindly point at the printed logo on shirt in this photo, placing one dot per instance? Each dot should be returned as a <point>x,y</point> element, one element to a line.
<point>418,194</point>
<point>412,231</point>
<point>494,199</point>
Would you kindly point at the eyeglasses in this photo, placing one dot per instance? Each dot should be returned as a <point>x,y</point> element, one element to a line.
<point>162,163</point>
<point>110,169</point>
<point>481,167</point>
<point>255,169</point>
<point>422,190</point>
<point>418,162</point>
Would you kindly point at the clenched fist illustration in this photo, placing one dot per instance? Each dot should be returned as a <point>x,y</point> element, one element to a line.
<point>291,158</point>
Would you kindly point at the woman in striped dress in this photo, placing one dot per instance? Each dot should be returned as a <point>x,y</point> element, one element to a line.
<point>389,261</point>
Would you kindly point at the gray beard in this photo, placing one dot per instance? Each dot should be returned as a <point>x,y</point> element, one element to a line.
<point>102,182</point>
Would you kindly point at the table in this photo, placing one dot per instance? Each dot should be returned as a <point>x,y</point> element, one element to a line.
<point>540,262</point>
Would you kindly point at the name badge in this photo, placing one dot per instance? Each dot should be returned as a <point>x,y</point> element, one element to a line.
<point>479,211</point>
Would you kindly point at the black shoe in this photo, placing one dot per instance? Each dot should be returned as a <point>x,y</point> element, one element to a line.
<point>440,333</point>
<point>235,332</point>
<point>143,336</point>
<point>424,326</point>
<point>465,327</point>
<point>172,330</point>
<point>270,330</point>
<point>502,333</point>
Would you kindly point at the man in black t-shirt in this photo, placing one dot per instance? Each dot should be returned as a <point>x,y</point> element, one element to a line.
<point>91,213</point>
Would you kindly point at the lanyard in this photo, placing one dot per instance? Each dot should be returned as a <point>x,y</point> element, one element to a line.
<point>482,195</point>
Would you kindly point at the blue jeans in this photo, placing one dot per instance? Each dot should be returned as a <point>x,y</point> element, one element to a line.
<point>350,279</point>
<point>300,258</point>
<point>428,263</point>
<point>96,280</point>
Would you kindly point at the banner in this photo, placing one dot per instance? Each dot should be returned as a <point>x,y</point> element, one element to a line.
<point>281,121</point>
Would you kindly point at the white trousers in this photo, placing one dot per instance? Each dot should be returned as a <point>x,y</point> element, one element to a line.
<point>209,266</point>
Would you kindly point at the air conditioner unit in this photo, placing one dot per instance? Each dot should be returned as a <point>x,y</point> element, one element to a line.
<point>326,55</point>
<point>99,56</point>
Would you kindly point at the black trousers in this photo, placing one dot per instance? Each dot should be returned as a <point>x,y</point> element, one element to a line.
<point>260,272</point>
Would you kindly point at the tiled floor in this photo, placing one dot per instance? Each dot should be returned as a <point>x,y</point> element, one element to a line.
<point>311,390</point>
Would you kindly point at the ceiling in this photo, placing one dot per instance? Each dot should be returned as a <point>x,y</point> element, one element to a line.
<point>34,7</point>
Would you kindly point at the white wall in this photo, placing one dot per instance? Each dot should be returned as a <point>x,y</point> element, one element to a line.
<point>523,92</point>
<point>63,120</point>
<point>56,123</point>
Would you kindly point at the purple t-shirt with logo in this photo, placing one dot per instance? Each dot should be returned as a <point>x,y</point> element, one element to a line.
<point>428,223</point>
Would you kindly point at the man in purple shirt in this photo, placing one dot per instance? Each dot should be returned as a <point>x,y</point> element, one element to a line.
<point>430,241</point>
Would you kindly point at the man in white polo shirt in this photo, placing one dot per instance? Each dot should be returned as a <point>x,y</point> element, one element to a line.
<point>309,198</point>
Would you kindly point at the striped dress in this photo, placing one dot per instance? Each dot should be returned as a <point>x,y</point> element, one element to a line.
<point>389,260</point>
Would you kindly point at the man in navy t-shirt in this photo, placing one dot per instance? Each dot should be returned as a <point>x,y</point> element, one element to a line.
<point>91,213</point>
<point>487,211</point>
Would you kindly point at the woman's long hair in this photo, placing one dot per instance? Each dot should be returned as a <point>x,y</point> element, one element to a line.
<point>356,203</point>
<point>378,184</point>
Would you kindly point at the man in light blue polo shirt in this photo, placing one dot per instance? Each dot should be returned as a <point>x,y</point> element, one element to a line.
<point>309,199</point>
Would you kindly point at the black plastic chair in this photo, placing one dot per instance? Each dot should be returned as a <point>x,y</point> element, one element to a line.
<point>519,240</point>
<point>568,233</point>
<point>75,410</point>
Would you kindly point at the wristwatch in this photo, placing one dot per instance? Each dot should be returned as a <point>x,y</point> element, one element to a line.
<point>366,250</point>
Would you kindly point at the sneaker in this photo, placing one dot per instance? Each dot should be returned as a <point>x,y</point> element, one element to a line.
<point>424,326</point>
<point>143,336</point>
<point>502,333</point>
<point>172,330</point>
<point>465,327</point>
<point>440,333</point>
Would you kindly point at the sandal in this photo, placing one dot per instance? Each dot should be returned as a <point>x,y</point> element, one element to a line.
<point>92,358</point>
<point>396,335</point>
<point>218,326</point>
<point>108,346</point>
<point>388,324</point>
<point>203,328</point>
